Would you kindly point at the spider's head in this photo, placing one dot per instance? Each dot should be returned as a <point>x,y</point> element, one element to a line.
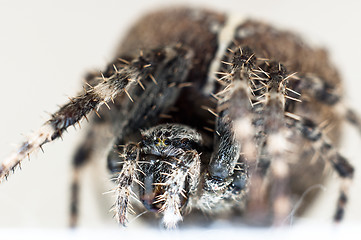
<point>169,166</point>
<point>169,140</point>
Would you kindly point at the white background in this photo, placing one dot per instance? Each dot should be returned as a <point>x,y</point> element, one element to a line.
<point>46,47</point>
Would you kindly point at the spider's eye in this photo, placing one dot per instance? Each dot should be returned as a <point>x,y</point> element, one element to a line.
<point>160,142</point>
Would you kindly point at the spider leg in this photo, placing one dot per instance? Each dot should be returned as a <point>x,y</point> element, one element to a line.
<point>227,174</point>
<point>187,166</point>
<point>316,88</point>
<point>74,198</point>
<point>320,143</point>
<point>95,144</point>
<point>124,181</point>
<point>352,117</point>
<point>110,87</point>
<point>245,122</point>
<point>276,144</point>
<point>242,110</point>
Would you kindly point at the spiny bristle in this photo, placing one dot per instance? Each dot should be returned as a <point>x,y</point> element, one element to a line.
<point>153,79</point>
<point>126,92</point>
<point>124,61</point>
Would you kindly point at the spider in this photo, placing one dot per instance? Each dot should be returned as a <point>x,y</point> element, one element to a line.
<point>207,113</point>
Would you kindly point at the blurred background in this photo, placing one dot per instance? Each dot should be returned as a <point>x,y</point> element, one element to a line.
<point>46,47</point>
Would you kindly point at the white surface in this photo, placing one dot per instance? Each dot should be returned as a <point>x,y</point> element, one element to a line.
<point>299,232</point>
<point>46,48</point>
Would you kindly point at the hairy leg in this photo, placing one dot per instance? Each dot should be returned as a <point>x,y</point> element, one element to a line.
<point>110,87</point>
<point>125,179</point>
<point>96,143</point>
<point>313,87</point>
<point>228,171</point>
<point>329,153</point>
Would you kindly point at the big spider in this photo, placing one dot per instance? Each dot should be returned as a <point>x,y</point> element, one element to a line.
<point>242,139</point>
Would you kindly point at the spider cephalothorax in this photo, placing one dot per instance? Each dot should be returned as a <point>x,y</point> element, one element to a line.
<point>209,113</point>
